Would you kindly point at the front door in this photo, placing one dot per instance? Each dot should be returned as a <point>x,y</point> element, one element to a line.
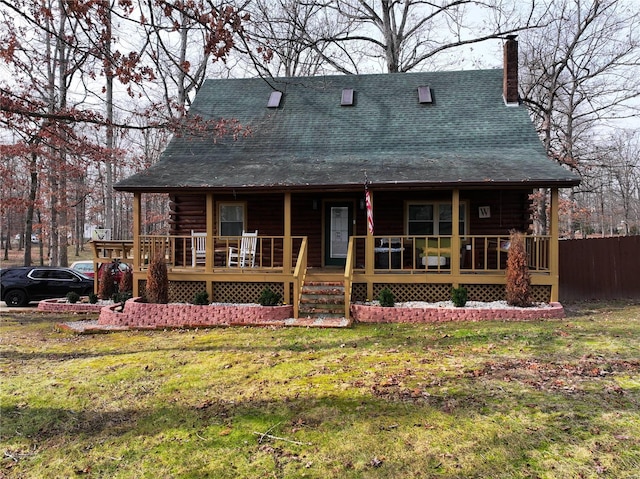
<point>338,226</point>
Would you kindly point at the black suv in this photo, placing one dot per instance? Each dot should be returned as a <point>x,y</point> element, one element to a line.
<point>20,286</point>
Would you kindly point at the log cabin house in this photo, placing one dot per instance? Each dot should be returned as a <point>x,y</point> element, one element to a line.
<point>448,159</point>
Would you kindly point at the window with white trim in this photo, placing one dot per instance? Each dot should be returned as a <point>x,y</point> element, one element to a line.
<point>231,218</point>
<point>433,219</point>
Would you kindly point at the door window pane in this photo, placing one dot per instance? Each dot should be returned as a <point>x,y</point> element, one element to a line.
<point>339,232</point>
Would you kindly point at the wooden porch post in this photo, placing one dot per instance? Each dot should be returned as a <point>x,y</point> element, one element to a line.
<point>137,247</point>
<point>369,254</point>
<point>554,263</point>
<point>287,246</point>
<point>455,236</point>
<point>209,246</point>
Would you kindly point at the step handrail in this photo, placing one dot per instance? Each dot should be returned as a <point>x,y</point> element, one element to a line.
<point>348,277</point>
<point>299,275</point>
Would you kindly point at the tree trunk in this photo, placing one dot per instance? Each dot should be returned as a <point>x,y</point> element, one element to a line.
<point>41,243</point>
<point>109,220</point>
<point>33,193</point>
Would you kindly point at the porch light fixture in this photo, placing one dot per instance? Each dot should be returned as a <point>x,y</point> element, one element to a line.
<point>347,97</point>
<point>424,94</point>
<point>362,203</point>
<point>314,204</point>
<point>274,99</point>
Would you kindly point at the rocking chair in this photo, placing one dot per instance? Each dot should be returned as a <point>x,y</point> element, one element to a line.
<point>246,254</point>
<point>198,248</point>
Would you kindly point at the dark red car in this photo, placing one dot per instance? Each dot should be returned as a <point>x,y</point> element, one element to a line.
<point>86,268</point>
<point>117,268</point>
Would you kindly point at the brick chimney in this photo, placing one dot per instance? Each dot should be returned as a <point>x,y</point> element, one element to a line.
<point>510,82</point>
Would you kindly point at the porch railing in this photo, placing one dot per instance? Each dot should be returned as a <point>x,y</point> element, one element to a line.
<point>489,253</point>
<point>107,250</point>
<point>420,254</point>
<point>177,251</point>
<point>392,254</point>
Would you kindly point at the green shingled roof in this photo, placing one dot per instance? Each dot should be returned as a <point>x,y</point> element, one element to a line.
<point>467,136</point>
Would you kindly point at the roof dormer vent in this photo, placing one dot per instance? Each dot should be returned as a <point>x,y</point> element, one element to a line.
<point>274,99</point>
<point>424,94</point>
<point>347,97</point>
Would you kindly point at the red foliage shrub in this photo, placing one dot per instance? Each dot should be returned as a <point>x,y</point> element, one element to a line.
<point>518,289</point>
<point>157,289</point>
<point>126,282</point>
<point>106,284</point>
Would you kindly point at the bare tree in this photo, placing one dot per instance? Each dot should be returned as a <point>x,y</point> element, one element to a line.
<point>578,74</point>
<point>64,117</point>
<point>352,36</point>
<point>176,48</point>
<point>620,164</point>
<point>285,38</point>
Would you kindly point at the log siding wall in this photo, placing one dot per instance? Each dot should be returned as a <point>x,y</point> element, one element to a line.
<point>510,209</point>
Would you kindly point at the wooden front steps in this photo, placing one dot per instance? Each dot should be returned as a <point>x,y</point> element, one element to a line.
<point>322,300</point>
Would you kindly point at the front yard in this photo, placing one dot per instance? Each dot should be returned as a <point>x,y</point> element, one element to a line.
<point>534,399</point>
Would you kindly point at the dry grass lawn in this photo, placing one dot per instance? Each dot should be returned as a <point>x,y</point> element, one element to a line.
<point>537,399</point>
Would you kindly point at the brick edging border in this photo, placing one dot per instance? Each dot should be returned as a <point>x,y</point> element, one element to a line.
<point>58,306</point>
<point>137,314</point>
<point>378,314</point>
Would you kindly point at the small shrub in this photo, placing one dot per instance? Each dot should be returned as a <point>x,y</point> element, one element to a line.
<point>201,298</point>
<point>106,285</point>
<point>459,296</point>
<point>386,298</point>
<point>269,298</point>
<point>93,298</point>
<point>73,297</point>
<point>157,290</point>
<point>518,290</point>
<point>121,297</point>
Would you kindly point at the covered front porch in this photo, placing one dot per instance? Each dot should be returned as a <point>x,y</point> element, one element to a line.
<point>413,267</point>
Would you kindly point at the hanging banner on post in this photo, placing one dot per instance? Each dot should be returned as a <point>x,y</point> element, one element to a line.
<point>367,199</point>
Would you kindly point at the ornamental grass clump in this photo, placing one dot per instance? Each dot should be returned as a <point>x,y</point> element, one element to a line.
<point>518,290</point>
<point>157,290</point>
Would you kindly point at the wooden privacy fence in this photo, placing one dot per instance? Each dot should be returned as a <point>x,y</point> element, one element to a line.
<point>600,268</point>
